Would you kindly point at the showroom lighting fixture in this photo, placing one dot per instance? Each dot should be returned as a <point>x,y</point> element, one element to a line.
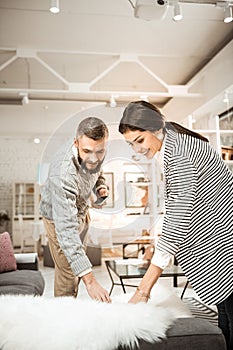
<point>25,99</point>
<point>144,98</point>
<point>54,6</point>
<point>112,102</point>
<point>36,140</point>
<point>151,10</point>
<point>228,14</point>
<point>225,98</point>
<point>177,12</point>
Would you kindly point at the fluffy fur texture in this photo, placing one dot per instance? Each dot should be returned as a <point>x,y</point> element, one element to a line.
<point>37,323</point>
<point>163,297</point>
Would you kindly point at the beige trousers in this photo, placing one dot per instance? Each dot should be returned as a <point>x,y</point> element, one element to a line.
<point>65,282</point>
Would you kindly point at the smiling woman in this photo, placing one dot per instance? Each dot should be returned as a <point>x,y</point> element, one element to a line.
<point>144,142</point>
<point>191,202</point>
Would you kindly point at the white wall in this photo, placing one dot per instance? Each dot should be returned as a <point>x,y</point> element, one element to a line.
<point>20,156</point>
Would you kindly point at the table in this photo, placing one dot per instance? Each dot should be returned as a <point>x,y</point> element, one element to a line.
<point>140,242</point>
<point>125,269</point>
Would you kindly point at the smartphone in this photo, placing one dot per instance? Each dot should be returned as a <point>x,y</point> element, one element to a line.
<point>101,200</point>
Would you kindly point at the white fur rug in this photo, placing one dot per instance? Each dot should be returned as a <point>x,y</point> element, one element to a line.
<point>37,323</point>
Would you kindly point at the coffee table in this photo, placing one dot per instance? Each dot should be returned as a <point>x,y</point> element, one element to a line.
<point>124,269</point>
<point>140,242</point>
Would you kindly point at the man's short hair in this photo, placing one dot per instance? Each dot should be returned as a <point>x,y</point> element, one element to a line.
<point>92,127</point>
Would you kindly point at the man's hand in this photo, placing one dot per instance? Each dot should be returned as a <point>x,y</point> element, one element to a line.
<point>103,192</point>
<point>102,196</point>
<point>94,289</point>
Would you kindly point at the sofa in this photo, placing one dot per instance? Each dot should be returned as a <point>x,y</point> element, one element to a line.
<point>26,279</point>
<point>187,334</point>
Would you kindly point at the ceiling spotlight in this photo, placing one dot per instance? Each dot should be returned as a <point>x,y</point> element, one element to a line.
<point>144,98</point>
<point>25,99</point>
<point>36,140</point>
<point>54,6</point>
<point>227,14</point>
<point>112,102</point>
<point>177,13</point>
<point>225,98</point>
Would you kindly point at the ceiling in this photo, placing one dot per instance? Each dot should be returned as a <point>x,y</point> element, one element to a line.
<point>95,49</point>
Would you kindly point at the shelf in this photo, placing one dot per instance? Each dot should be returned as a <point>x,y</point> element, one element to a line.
<point>25,211</point>
<point>213,131</point>
<point>140,184</point>
<point>134,162</point>
<point>205,131</point>
<point>25,217</point>
<point>216,136</point>
<point>140,214</point>
<point>226,131</point>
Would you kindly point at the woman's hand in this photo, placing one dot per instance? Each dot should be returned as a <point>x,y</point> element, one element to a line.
<point>139,297</point>
<point>142,293</point>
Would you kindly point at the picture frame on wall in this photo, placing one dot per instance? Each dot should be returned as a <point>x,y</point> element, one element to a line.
<point>136,190</point>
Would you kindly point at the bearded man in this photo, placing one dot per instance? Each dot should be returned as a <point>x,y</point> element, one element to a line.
<point>74,174</point>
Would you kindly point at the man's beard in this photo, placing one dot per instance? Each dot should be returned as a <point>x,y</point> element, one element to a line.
<point>91,171</point>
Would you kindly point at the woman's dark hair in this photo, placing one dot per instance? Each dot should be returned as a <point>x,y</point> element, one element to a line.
<point>92,127</point>
<point>143,116</point>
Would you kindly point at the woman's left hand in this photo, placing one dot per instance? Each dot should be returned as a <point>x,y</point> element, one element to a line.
<point>139,298</point>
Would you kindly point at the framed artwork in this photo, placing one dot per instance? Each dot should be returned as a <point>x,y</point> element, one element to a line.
<point>136,190</point>
<point>110,182</point>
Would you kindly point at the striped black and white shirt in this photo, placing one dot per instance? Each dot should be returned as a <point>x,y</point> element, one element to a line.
<point>197,226</point>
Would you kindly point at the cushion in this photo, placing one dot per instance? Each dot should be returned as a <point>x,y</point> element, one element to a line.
<point>186,333</point>
<point>7,258</point>
<point>22,282</point>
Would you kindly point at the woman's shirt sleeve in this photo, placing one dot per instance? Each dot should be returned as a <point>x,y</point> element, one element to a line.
<point>180,187</point>
<point>161,259</point>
